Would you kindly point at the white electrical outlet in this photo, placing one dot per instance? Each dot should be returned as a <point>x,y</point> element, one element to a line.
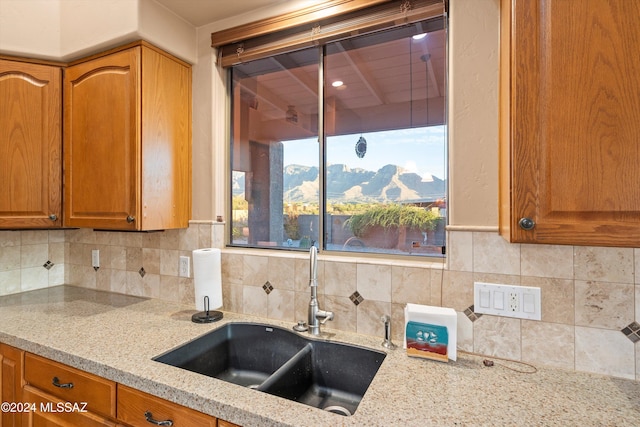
<point>514,301</point>
<point>184,267</point>
<point>504,300</point>
<point>95,258</point>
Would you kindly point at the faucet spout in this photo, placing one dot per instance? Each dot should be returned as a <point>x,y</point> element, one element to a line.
<point>317,317</point>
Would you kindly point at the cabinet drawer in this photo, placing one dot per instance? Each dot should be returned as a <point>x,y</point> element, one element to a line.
<point>135,406</point>
<point>70,384</point>
<point>49,414</point>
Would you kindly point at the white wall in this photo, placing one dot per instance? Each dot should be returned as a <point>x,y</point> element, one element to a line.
<point>64,30</point>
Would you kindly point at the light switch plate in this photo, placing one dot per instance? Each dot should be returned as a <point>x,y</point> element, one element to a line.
<point>523,302</point>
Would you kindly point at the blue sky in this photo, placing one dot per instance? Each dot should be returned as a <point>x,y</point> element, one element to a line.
<point>419,150</point>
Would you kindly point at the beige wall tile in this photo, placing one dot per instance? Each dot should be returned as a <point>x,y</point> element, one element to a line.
<point>493,254</point>
<point>232,297</point>
<point>603,264</point>
<point>339,278</point>
<point>549,344</point>
<point>232,268</point>
<point>344,313</point>
<point>134,259</point>
<point>153,240</point>
<point>204,236</point>
<point>558,298</point>
<point>636,258</point>
<point>410,284</point>
<point>118,257</point>
<point>34,278</point>
<point>9,281</point>
<point>34,237</point>
<point>169,239</point>
<point>151,285</point>
<point>457,290</point>
<point>254,301</point>
<point>437,283</point>
<point>151,260</point>
<point>55,236</point>
<point>604,305</point>
<point>34,255</point>
<point>134,284</point>
<point>280,273</point>
<point>56,275</point>
<point>547,261</point>
<point>169,260</point>
<point>10,238</point>
<point>188,239</point>
<point>460,251</point>
<point>369,314</point>
<point>10,257</point>
<point>187,290</point>
<point>56,253</point>
<point>604,352</point>
<point>170,289</point>
<point>497,336</point>
<point>103,279</point>
<point>373,282</point>
<point>119,281</point>
<point>255,270</point>
<point>280,305</point>
<point>464,333</point>
<point>397,323</point>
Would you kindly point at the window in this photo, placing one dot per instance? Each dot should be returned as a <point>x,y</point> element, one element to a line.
<point>343,145</point>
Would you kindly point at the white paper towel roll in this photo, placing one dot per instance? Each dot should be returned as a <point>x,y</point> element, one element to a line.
<point>207,277</point>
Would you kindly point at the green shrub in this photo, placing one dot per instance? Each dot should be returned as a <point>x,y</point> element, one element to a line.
<point>392,216</point>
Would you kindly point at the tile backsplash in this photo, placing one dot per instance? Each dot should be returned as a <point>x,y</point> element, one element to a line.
<point>590,295</point>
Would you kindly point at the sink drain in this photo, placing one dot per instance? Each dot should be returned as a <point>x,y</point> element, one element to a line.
<point>338,410</point>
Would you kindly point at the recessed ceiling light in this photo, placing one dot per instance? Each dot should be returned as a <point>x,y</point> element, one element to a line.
<point>337,83</point>
<point>419,36</point>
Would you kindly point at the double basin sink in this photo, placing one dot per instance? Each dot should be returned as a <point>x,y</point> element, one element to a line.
<point>327,375</point>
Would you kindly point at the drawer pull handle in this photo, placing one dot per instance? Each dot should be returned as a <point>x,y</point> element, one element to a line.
<point>149,417</point>
<point>56,382</point>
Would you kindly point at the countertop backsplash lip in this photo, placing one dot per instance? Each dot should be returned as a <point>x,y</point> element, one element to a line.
<point>74,322</point>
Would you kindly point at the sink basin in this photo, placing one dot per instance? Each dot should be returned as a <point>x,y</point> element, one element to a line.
<point>326,375</point>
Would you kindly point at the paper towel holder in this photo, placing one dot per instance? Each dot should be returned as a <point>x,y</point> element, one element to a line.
<point>206,316</point>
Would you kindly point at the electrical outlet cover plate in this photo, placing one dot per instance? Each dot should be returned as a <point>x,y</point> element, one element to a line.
<point>522,302</point>
<point>184,269</point>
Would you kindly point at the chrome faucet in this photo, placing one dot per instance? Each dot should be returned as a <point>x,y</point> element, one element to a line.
<point>315,314</point>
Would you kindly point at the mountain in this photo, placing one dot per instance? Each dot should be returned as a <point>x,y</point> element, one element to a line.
<point>391,183</point>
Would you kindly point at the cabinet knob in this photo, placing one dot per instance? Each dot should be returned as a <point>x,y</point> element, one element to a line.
<point>526,223</point>
<point>130,219</point>
<point>53,217</point>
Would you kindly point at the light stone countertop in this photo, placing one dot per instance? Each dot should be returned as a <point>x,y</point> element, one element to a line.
<point>115,336</point>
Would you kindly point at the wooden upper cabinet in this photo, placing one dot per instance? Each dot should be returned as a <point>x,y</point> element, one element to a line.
<point>30,145</point>
<point>570,122</point>
<point>127,156</point>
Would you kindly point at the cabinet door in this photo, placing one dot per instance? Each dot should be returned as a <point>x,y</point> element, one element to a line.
<point>570,103</point>
<point>30,145</point>
<point>11,373</point>
<point>101,142</point>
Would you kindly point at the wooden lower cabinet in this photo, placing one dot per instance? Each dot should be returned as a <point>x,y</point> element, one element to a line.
<point>62,396</point>
<point>65,396</point>
<point>11,374</point>
<point>51,411</point>
<point>139,409</point>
